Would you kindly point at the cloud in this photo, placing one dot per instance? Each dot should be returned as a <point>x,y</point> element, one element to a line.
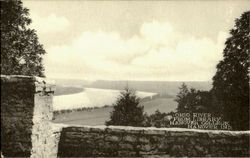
<point>158,52</point>
<point>49,24</point>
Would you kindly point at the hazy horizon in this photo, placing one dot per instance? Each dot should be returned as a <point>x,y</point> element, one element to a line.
<point>55,78</point>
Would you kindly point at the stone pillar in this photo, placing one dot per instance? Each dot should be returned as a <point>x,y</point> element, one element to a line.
<point>26,109</point>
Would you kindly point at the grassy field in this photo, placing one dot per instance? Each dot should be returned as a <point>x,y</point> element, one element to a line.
<point>99,116</point>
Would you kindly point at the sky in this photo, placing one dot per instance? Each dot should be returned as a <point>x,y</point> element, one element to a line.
<point>133,40</point>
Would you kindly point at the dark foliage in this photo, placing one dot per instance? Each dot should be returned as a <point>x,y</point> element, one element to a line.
<point>229,96</point>
<point>158,119</point>
<point>127,111</point>
<point>21,53</point>
<point>192,100</point>
<point>231,81</point>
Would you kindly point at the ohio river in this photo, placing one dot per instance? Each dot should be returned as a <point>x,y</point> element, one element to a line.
<point>90,97</point>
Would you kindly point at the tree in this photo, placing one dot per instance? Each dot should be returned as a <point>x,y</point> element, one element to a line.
<point>188,99</point>
<point>192,100</point>
<point>181,98</point>
<point>21,53</point>
<point>127,111</point>
<point>231,81</point>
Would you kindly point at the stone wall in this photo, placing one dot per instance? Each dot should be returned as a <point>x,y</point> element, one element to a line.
<point>77,141</point>
<point>27,131</point>
<point>26,111</point>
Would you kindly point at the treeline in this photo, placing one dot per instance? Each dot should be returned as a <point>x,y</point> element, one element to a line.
<point>89,109</point>
<point>157,96</point>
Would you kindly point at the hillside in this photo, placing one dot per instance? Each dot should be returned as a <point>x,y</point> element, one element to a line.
<point>65,90</point>
<point>161,87</point>
<point>72,82</point>
<point>166,88</point>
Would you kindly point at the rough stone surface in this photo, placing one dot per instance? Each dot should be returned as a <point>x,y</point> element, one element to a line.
<point>44,136</point>
<point>81,141</point>
<point>26,111</point>
<point>17,105</point>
